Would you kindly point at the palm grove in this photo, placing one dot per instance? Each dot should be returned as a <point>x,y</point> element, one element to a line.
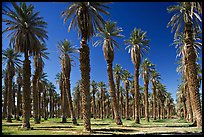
<point>91,99</point>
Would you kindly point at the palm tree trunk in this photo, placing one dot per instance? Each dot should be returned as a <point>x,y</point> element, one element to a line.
<point>154,101</point>
<point>121,103</point>
<point>136,85</point>
<point>85,84</point>
<point>5,95</point>
<point>63,110</point>
<point>193,82</point>
<point>26,92</point>
<point>189,108</point>
<point>74,121</point>
<point>94,105</point>
<point>112,93</point>
<point>117,89</point>
<point>13,101</point>
<point>127,102</point>
<point>146,100</point>
<point>35,99</point>
<point>9,115</point>
<point>18,101</point>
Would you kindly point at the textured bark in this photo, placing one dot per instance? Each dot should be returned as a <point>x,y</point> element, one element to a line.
<point>9,115</point>
<point>13,101</point>
<point>74,121</point>
<point>136,85</point>
<point>19,97</point>
<point>35,99</point>
<point>118,88</point>
<point>5,95</point>
<point>154,101</point>
<point>112,93</point>
<point>127,100</point>
<point>63,104</point>
<point>85,84</point>
<point>26,93</point>
<point>94,104</point>
<point>193,82</point>
<point>189,108</point>
<point>146,100</point>
<point>121,103</point>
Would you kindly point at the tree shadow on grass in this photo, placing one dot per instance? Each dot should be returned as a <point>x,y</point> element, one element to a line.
<point>102,124</point>
<point>55,127</point>
<point>63,122</point>
<point>12,124</point>
<point>111,131</point>
<point>176,133</point>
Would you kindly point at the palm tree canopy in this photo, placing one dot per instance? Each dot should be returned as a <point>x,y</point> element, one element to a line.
<point>10,58</point>
<point>26,27</point>
<point>146,68</point>
<point>86,16</point>
<point>126,75</point>
<point>137,44</point>
<point>108,35</point>
<point>67,51</point>
<point>185,12</point>
<point>117,71</point>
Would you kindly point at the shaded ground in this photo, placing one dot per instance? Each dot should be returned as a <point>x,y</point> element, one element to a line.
<point>103,127</point>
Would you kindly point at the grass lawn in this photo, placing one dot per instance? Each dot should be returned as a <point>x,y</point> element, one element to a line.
<point>101,127</point>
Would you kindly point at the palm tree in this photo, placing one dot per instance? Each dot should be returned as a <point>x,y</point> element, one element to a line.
<point>12,61</point>
<point>101,85</point>
<point>19,96</point>
<point>77,99</point>
<point>117,74</point>
<point>187,20</point>
<point>94,84</point>
<point>38,65</point>
<point>137,44</point>
<point>155,76</point>
<point>26,28</point>
<point>107,34</point>
<point>67,50</point>
<point>87,19</point>
<point>146,67</point>
<point>125,77</point>
<point>5,76</point>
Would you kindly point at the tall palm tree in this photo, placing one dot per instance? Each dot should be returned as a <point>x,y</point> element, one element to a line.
<point>11,59</point>
<point>146,67</point>
<point>77,99</point>
<point>117,74</point>
<point>5,76</point>
<point>137,44</point>
<point>38,66</point>
<point>94,88</point>
<point>126,75</point>
<point>19,94</point>
<point>155,76</point>
<point>26,29</point>
<point>101,85</point>
<point>87,18</point>
<point>108,35</point>
<point>186,19</point>
<point>67,50</point>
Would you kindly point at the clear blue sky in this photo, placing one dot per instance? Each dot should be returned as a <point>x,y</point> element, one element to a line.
<point>149,16</point>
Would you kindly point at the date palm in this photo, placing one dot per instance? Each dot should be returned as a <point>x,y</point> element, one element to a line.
<point>38,66</point>
<point>117,74</point>
<point>146,68</point>
<point>155,76</point>
<point>186,19</point>
<point>101,86</point>
<point>137,44</point>
<point>126,75</point>
<point>5,76</point>
<point>86,16</point>
<point>67,51</point>
<point>19,94</point>
<point>11,59</point>
<point>108,35</point>
<point>26,29</point>
<point>94,88</point>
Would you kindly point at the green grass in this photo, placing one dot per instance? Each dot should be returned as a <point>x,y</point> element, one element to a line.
<point>106,126</point>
